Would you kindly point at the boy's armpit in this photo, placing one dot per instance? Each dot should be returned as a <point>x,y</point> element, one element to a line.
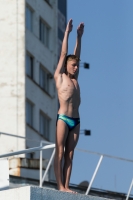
<point>58,81</point>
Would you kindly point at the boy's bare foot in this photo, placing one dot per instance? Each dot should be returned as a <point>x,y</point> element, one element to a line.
<point>63,189</point>
<point>67,190</point>
<point>71,191</point>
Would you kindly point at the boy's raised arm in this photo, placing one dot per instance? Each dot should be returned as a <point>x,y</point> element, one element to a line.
<point>60,67</point>
<point>77,49</point>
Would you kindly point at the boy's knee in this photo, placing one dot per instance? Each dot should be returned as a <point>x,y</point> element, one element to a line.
<point>59,154</point>
<point>69,156</point>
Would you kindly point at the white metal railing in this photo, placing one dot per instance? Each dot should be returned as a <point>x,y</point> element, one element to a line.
<point>95,172</point>
<point>51,145</point>
<point>48,166</point>
<point>25,138</point>
<point>129,191</point>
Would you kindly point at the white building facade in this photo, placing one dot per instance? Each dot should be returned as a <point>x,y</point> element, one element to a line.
<point>30,39</point>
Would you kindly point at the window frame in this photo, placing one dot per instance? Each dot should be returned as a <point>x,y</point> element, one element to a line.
<point>44,32</point>
<point>31,75</point>
<point>48,78</point>
<point>30,121</point>
<point>31,21</point>
<point>46,132</point>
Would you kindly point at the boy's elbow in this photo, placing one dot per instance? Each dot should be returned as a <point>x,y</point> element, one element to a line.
<point>55,75</point>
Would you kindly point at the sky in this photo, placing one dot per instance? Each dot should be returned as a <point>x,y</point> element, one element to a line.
<point>106,91</point>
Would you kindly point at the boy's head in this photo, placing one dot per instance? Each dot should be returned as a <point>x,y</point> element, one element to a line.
<point>71,64</point>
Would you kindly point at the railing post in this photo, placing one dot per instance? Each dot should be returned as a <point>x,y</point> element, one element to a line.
<point>95,172</point>
<point>41,165</point>
<point>130,188</point>
<point>48,166</point>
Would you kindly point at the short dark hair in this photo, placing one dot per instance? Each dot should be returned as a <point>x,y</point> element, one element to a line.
<point>71,57</point>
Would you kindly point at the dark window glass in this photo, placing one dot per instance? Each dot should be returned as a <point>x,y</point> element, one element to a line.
<point>44,79</point>
<point>44,33</point>
<point>44,125</point>
<point>29,65</point>
<point>29,113</point>
<point>29,16</point>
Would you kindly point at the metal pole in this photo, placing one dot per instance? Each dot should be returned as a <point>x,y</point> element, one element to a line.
<point>20,152</point>
<point>50,161</point>
<point>48,146</point>
<point>12,135</point>
<point>130,188</point>
<point>41,165</point>
<point>27,151</point>
<point>95,172</point>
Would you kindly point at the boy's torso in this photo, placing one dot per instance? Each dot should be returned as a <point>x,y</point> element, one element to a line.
<point>69,96</point>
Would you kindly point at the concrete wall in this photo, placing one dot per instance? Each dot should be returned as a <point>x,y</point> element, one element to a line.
<point>4,174</point>
<point>12,73</point>
<point>27,168</point>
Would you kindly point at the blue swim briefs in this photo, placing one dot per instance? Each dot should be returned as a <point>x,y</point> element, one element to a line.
<point>70,121</point>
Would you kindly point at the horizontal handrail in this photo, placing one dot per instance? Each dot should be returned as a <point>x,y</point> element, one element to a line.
<point>48,146</point>
<point>105,155</point>
<point>20,152</point>
<point>27,150</point>
<point>21,137</point>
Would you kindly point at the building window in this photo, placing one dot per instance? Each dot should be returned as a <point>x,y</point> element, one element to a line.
<point>29,65</point>
<point>29,113</point>
<point>61,21</point>
<point>44,125</point>
<point>44,79</point>
<point>29,18</point>
<point>44,33</point>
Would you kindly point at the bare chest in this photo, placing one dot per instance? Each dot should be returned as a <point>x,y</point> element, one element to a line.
<point>70,89</point>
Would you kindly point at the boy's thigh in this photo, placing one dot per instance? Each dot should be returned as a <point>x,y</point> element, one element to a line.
<point>72,139</point>
<point>61,132</point>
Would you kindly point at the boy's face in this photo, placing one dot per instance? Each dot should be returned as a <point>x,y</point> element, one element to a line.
<point>72,66</point>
